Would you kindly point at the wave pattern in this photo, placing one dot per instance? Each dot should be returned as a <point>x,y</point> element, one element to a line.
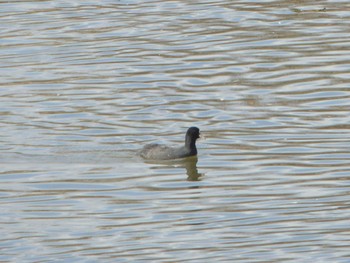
<point>85,84</point>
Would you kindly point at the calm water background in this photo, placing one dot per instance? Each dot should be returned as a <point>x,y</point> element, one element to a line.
<point>85,84</point>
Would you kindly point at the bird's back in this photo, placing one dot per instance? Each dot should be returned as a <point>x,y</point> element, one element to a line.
<point>162,152</point>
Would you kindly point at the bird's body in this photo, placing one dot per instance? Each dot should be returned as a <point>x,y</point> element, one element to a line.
<point>156,151</point>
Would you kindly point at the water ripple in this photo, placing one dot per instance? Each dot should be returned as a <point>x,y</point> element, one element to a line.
<point>86,84</point>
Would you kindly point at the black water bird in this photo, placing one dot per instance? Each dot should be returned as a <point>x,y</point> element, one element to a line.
<point>156,151</point>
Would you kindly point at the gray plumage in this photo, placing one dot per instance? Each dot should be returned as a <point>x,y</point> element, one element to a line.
<point>156,151</point>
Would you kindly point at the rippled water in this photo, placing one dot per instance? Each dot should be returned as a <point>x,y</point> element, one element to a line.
<point>84,85</point>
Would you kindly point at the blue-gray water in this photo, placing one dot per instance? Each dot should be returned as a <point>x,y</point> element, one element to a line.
<point>85,84</point>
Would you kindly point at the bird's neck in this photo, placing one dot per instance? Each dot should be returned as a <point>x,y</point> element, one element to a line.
<point>190,144</point>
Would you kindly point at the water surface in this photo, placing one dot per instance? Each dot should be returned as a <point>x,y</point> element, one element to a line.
<point>84,85</point>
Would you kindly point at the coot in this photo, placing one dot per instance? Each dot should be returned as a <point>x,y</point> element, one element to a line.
<point>163,152</point>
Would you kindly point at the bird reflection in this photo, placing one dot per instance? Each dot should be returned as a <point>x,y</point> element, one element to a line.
<point>191,169</point>
<point>190,164</point>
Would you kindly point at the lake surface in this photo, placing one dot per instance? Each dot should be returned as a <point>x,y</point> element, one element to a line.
<point>85,84</point>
